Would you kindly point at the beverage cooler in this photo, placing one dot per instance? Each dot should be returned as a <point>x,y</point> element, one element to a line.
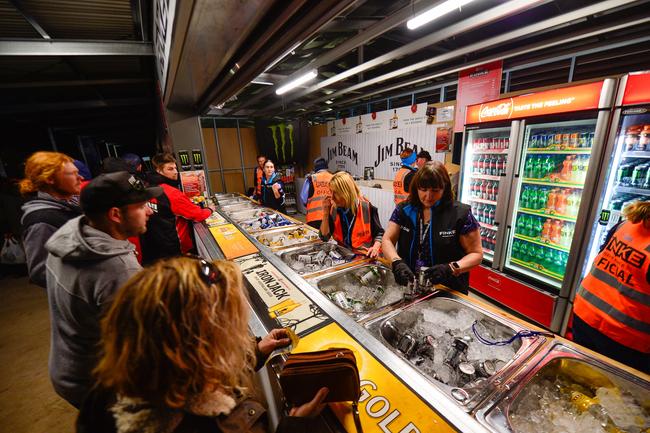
<point>536,186</point>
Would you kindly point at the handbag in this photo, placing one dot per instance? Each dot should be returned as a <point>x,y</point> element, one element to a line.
<point>304,374</point>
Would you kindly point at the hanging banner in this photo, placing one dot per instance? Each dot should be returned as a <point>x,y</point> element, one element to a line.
<point>193,183</point>
<point>398,118</point>
<point>476,85</point>
<point>377,152</point>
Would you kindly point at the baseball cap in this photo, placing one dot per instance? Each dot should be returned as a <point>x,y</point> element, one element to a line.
<point>115,190</point>
<point>320,163</point>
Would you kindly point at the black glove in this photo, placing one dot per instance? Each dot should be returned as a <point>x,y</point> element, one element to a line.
<point>402,272</point>
<point>439,273</point>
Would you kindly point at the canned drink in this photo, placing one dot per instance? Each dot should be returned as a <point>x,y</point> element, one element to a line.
<point>534,141</point>
<point>334,254</point>
<point>407,345</point>
<point>557,139</point>
<point>573,139</point>
<point>566,140</point>
<point>485,368</point>
<point>590,139</point>
<point>466,372</point>
<point>550,140</point>
<point>582,139</point>
<point>458,349</point>
<point>542,141</point>
<point>304,258</point>
<point>341,299</point>
<point>370,277</point>
<point>389,332</point>
<point>422,278</point>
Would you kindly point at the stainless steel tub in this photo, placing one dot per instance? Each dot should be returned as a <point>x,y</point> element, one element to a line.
<point>297,260</point>
<point>437,336</point>
<point>362,291</point>
<point>250,220</point>
<point>237,207</point>
<point>292,236</point>
<point>566,388</point>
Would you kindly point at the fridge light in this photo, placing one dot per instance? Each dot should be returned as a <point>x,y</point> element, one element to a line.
<point>297,82</point>
<point>435,13</point>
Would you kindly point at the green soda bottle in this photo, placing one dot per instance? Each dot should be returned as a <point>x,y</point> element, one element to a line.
<point>538,227</point>
<point>516,245</point>
<point>525,201</point>
<point>539,255</point>
<point>523,252</point>
<point>528,230</point>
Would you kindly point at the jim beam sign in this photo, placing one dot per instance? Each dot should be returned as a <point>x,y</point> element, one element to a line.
<point>286,306</point>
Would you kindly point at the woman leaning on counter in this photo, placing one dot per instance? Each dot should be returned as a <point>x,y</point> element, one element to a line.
<point>433,231</point>
<point>353,221</point>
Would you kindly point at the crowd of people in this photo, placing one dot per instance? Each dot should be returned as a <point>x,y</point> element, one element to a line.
<point>167,347</point>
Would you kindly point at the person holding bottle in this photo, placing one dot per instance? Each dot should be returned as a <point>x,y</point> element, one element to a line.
<point>612,303</point>
<point>272,192</point>
<point>353,221</point>
<point>433,232</point>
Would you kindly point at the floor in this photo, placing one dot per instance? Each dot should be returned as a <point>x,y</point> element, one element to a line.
<point>27,401</point>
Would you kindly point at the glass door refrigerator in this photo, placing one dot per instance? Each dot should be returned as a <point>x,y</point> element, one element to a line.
<point>625,177</point>
<point>486,163</point>
<point>558,148</point>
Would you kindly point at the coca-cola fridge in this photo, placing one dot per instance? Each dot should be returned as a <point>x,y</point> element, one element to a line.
<point>625,176</point>
<point>556,142</point>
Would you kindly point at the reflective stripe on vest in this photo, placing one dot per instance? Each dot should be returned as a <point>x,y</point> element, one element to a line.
<point>258,176</point>
<point>614,298</point>
<point>361,236</point>
<point>321,183</point>
<point>401,194</point>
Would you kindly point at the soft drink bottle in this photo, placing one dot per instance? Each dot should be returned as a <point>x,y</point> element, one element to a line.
<point>585,168</point>
<point>539,255</point>
<point>566,235</point>
<point>521,224</point>
<point>538,227</point>
<point>491,216</point>
<point>506,142</point>
<point>532,198</point>
<point>528,230</point>
<point>489,191</point>
<point>484,189</point>
<point>524,198</point>
<point>495,191</point>
<point>537,168</point>
<point>565,259</point>
<point>541,198</point>
<point>556,232</point>
<point>570,205</point>
<point>565,174</point>
<point>549,259</point>
<point>515,249</point>
<point>475,163</point>
<point>575,169</point>
<point>550,200</point>
<point>528,168</point>
<point>523,252</point>
<point>560,202</point>
<point>546,230</point>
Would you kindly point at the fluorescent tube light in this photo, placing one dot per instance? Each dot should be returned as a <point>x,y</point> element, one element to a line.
<point>297,82</point>
<point>435,12</point>
<point>329,101</point>
<point>266,83</point>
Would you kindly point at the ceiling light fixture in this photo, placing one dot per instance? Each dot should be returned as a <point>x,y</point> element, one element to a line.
<point>297,82</point>
<point>329,101</point>
<point>266,83</point>
<point>435,12</point>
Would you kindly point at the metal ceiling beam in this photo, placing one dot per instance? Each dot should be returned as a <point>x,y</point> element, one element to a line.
<point>38,47</point>
<point>74,83</point>
<point>358,40</point>
<point>29,18</point>
<point>497,13</point>
<point>509,54</point>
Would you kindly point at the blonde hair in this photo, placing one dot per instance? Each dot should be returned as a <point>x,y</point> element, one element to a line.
<point>40,168</point>
<point>344,186</point>
<point>169,336</point>
<point>637,212</point>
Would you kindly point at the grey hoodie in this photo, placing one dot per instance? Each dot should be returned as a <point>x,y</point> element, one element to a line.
<point>84,269</point>
<point>42,216</point>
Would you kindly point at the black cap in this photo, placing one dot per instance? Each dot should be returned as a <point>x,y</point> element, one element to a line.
<point>115,190</point>
<point>424,154</point>
<point>320,163</point>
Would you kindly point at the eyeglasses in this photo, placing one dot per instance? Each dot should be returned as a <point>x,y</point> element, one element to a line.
<point>207,271</point>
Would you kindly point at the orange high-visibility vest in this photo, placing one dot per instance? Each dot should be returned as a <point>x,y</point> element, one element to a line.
<point>321,183</point>
<point>259,173</point>
<point>614,298</point>
<point>399,189</point>
<point>361,235</point>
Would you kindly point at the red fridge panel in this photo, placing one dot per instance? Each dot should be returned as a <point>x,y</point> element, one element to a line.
<point>526,300</point>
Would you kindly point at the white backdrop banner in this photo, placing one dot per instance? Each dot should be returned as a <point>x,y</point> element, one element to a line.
<point>398,118</point>
<point>376,154</point>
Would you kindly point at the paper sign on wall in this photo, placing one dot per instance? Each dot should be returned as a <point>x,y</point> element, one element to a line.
<point>478,84</point>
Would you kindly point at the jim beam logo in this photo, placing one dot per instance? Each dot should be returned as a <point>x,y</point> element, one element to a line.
<point>490,111</point>
<point>184,158</point>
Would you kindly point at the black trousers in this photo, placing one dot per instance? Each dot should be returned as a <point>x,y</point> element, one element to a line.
<point>593,339</point>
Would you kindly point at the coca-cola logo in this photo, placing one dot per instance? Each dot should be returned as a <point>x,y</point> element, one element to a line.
<point>489,111</point>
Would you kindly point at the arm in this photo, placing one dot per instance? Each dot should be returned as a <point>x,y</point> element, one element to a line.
<point>388,241</point>
<point>325,223</point>
<point>471,243</point>
<point>34,240</point>
<point>181,205</point>
<point>277,189</point>
<point>305,192</point>
<point>377,232</point>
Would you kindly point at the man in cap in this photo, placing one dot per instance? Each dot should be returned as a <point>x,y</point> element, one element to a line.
<point>403,177</point>
<point>314,191</point>
<point>89,259</point>
<point>423,158</point>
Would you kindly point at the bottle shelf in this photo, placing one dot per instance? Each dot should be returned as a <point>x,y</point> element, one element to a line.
<point>551,183</point>
<point>632,190</point>
<point>546,215</point>
<point>481,200</point>
<point>490,252</point>
<point>490,151</point>
<point>538,241</point>
<point>567,151</point>
<point>489,226</point>
<point>636,154</point>
<point>486,176</point>
<point>537,268</point>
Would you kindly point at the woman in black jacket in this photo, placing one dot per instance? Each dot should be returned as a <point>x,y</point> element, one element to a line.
<point>272,194</point>
<point>177,356</point>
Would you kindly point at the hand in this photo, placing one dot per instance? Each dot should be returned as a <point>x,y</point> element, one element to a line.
<point>327,204</point>
<point>274,339</point>
<point>439,273</point>
<point>276,186</point>
<point>312,408</point>
<point>374,250</point>
<point>402,272</point>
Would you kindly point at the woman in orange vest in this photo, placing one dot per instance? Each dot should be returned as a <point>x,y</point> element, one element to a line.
<point>404,175</point>
<point>314,191</point>
<point>353,222</point>
<point>612,304</point>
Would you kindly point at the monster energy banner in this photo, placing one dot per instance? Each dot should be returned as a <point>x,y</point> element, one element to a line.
<point>283,142</point>
<point>377,150</point>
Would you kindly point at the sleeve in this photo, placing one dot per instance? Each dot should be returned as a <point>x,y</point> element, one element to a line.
<point>304,193</point>
<point>108,286</point>
<point>375,225</point>
<point>34,240</point>
<point>395,217</point>
<point>328,237</point>
<point>470,224</point>
<point>181,205</point>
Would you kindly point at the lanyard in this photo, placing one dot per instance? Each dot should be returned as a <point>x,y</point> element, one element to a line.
<point>423,232</point>
<point>350,224</point>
